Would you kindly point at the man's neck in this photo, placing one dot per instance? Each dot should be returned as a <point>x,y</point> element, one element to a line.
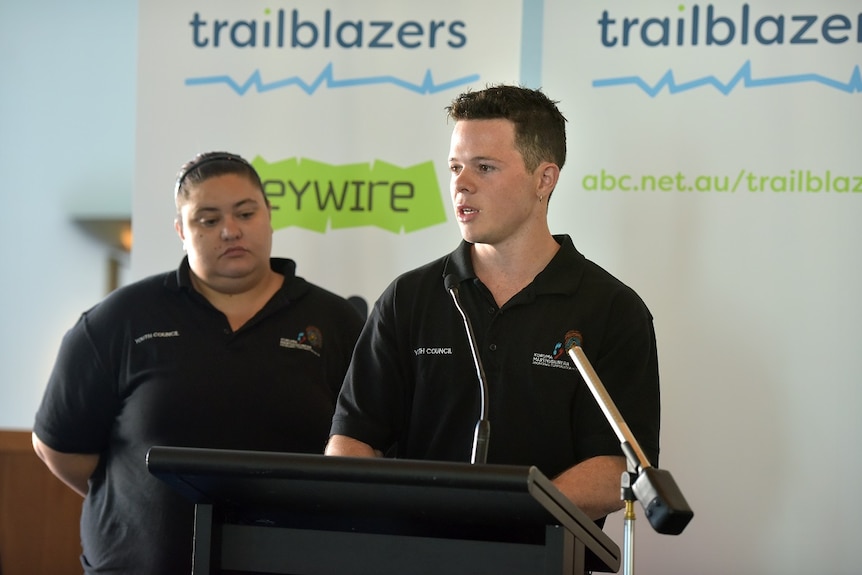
<point>507,269</point>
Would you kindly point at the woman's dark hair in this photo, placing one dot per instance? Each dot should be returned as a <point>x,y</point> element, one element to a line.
<point>211,164</point>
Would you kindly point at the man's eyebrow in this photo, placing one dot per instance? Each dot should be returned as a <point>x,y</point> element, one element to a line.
<point>474,159</point>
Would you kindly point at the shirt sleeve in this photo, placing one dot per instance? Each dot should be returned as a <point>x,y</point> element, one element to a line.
<point>80,402</point>
<point>370,406</point>
<point>626,361</point>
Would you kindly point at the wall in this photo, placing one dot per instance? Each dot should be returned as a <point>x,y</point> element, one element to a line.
<point>67,117</point>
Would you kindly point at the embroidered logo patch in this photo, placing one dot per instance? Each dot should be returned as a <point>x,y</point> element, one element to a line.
<point>311,339</point>
<point>557,359</point>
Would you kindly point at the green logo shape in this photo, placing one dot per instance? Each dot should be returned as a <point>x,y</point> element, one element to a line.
<point>316,195</point>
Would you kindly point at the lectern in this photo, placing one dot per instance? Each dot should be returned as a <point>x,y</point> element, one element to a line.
<point>265,512</point>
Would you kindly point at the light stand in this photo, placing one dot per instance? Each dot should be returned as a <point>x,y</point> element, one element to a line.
<point>663,502</point>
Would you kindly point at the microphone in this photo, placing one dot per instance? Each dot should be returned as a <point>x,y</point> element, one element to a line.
<point>663,502</point>
<point>630,446</point>
<point>481,434</point>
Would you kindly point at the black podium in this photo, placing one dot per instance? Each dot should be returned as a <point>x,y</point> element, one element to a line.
<point>264,512</point>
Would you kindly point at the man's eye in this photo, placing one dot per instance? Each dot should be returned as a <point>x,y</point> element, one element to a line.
<point>454,169</point>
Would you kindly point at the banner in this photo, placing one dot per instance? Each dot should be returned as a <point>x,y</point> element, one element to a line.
<point>340,106</point>
<point>714,165</point>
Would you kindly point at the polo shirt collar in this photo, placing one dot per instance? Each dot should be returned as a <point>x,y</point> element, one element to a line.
<point>561,275</point>
<point>293,287</point>
<point>459,263</point>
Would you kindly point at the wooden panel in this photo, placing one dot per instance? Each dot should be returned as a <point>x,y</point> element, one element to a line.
<point>39,515</point>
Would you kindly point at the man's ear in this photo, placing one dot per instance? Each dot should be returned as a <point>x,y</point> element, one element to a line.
<point>549,175</point>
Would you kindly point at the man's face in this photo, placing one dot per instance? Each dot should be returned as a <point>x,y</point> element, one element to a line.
<point>226,229</point>
<point>495,198</point>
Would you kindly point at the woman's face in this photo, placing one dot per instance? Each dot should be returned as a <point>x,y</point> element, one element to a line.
<point>225,226</point>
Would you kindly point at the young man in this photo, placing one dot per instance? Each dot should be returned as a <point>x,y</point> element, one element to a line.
<point>230,351</point>
<point>411,389</point>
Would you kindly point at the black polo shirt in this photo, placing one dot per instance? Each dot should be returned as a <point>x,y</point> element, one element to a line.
<point>156,364</point>
<point>412,388</point>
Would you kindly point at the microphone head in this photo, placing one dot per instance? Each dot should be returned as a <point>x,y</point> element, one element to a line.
<point>573,339</point>
<point>451,282</point>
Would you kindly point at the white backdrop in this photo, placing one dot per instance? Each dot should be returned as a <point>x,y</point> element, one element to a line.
<point>755,293</point>
<point>754,290</point>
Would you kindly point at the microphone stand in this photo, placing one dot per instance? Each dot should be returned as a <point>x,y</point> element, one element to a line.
<point>482,432</point>
<point>663,502</point>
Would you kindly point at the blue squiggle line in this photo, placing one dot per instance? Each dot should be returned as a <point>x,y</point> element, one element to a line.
<point>742,75</point>
<point>326,77</point>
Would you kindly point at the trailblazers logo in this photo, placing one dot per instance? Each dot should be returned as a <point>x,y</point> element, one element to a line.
<point>319,196</point>
<point>711,27</point>
<point>325,30</point>
<point>283,29</point>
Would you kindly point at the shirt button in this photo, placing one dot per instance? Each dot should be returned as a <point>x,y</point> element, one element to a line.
<point>493,347</point>
<point>491,311</point>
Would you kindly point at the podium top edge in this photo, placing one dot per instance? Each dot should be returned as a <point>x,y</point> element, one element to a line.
<point>166,460</point>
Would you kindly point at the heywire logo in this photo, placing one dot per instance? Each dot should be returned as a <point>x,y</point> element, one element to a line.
<point>708,26</point>
<point>318,196</point>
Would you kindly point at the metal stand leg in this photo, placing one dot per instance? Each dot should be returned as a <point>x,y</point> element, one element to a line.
<point>628,496</point>
<point>629,539</point>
